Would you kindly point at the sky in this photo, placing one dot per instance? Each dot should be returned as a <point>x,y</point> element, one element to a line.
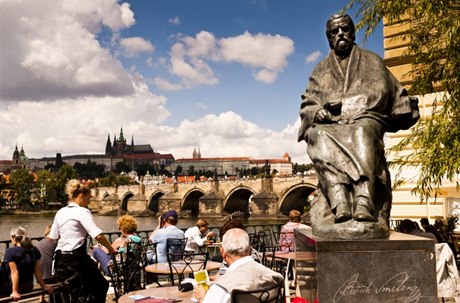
<point>224,77</point>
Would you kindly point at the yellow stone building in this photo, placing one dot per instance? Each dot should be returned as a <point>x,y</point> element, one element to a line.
<point>406,204</point>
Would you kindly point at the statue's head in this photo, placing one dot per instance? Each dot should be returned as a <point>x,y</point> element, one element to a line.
<point>340,31</point>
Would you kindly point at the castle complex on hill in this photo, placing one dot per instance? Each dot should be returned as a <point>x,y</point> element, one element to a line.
<point>134,155</point>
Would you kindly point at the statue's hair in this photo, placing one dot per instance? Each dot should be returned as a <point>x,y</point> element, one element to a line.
<point>75,187</point>
<point>235,242</point>
<point>19,234</point>
<point>339,16</point>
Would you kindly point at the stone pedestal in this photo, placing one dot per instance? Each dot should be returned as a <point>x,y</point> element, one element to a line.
<point>398,269</point>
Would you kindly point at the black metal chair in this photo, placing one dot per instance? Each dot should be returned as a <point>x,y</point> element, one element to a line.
<point>182,264</point>
<point>125,271</point>
<point>149,256</point>
<point>272,294</point>
<point>175,251</point>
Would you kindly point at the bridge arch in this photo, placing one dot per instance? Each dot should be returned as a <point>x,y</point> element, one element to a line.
<point>296,197</point>
<point>124,200</point>
<point>153,201</point>
<point>104,195</point>
<point>191,201</point>
<point>238,199</point>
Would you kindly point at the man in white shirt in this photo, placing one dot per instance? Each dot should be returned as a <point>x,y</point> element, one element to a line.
<point>243,272</point>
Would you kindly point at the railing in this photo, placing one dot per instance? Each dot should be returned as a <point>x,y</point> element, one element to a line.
<point>4,244</point>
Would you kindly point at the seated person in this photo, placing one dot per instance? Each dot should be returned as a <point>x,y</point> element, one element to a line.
<point>128,226</point>
<point>46,247</point>
<point>23,262</point>
<point>243,272</point>
<point>234,222</point>
<point>197,235</point>
<point>286,241</point>
<point>166,229</point>
<point>409,227</point>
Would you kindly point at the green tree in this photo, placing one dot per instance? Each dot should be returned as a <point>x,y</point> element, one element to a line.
<point>191,170</point>
<point>178,170</point>
<point>435,50</point>
<point>45,183</point>
<point>114,180</point>
<point>121,167</point>
<point>63,175</point>
<point>301,168</point>
<point>22,182</point>
<point>89,170</point>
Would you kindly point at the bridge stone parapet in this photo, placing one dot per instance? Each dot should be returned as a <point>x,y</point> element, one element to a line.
<point>261,197</point>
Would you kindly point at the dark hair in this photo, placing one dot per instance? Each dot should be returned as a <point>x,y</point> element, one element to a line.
<point>424,221</point>
<point>232,223</point>
<point>406,226</point>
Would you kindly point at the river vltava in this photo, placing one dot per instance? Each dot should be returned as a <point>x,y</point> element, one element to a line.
<point>35,223</point>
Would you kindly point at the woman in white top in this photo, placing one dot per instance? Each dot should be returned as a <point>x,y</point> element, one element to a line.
<point>197,236</point>
<point>70,227</point>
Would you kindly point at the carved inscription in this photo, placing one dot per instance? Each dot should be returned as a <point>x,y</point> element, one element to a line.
<point>398,288</point>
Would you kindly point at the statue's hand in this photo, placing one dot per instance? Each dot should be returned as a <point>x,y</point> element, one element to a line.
<point>323,116</point>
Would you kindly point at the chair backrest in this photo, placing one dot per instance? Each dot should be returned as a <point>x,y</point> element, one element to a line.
<point>175,248</point>
<point>188,264</point>
<point>149,252</point>
<point>268,295</point>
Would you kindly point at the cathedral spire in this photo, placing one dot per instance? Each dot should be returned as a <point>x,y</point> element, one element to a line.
<point>108,146</point>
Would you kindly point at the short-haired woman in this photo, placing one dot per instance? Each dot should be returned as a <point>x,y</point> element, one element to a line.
<point>23,262</point>
<point>70,227</point>
<point>128,226</point>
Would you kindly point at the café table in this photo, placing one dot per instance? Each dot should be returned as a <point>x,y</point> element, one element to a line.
<point>163,268</point>
<point>170,292</point>
<point>297,256</point>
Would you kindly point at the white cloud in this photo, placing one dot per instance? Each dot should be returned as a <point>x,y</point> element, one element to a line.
<point>79,126</point>
<point>266,54</point>
<point>313,57</point>
<point>229,135</point>
<point>164,84</point>
<point>53,52</point>
<point>135,45</point>
<point>174,21</point>
<point>202,106</point>
<point>82,127</point>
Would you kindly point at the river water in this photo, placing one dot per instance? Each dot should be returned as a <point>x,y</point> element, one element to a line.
<point>35,223</point>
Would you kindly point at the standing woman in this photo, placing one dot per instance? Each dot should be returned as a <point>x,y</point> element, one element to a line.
<point>23,261</point>
<point>71,225</point>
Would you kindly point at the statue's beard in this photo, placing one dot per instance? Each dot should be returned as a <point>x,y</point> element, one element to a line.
<point>342,44</point>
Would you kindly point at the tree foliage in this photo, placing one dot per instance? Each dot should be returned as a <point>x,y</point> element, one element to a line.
<point>22,182</point>
<point>435,50</point>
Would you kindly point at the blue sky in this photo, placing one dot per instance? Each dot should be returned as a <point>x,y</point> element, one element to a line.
<point>224,76</point>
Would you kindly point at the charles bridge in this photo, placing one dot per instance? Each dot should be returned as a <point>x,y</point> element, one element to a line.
<point>260,198</point>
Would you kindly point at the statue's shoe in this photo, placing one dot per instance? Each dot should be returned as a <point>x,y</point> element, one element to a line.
<point>362,214</point>
<point>343,213</point>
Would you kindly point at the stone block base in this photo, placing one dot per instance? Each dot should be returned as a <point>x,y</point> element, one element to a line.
<point>398,269</point>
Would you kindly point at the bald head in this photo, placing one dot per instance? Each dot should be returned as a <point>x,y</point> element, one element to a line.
<point>236,243</point>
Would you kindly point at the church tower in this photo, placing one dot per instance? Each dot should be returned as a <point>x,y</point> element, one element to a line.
<point>16,156</point>
<point>108,146</point>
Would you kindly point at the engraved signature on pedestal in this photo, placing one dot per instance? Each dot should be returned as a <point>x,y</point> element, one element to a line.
<point>399,287</point>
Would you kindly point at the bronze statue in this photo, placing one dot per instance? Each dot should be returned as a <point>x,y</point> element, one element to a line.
<point>352,99</point>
